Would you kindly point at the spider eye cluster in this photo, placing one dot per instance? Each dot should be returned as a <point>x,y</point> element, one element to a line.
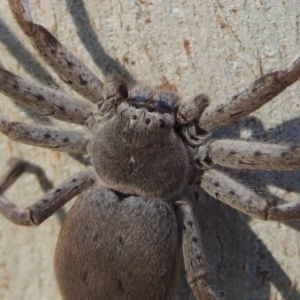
<point>152,100</point>
<point>150,105</point>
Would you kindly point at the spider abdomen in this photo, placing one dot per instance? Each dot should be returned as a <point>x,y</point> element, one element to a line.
<point>111,247</point>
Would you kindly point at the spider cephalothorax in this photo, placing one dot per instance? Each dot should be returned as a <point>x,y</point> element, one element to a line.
<point>137,150</point>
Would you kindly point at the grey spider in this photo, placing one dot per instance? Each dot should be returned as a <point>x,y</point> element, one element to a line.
<point>122,238</point>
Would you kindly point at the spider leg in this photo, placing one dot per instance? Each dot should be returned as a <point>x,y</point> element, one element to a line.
<point>50,203</point>
<point>43,99</point>
<point>42,136</point>
<point>235,194</point>
<point>192,110</point>
<point>261,91</point>
<point>61,60</point>
<point>250,155</point>
<point>193,253</point>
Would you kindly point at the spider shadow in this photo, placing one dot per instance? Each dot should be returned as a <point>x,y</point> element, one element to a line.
<point>237,257</point>
<point>90,39</point>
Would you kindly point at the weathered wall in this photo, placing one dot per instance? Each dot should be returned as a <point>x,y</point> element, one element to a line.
<point>217,47</point>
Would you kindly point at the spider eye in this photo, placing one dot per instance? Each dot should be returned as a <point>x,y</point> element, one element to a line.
<point>150,109</point>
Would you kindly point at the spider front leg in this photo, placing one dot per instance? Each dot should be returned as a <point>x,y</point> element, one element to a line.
<point>43,99</point>
<point>115,91</point>
<point>238,196</point>
<point>193,253</point>
<point>264,89</point>
<point>260,92</point>
<point>42,136</point>
<point>50,203</point>
<point>62,61</point>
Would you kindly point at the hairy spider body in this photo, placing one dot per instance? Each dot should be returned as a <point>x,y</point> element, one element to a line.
<point>142,127</point>
<point>122,237</point>
<point>127,135</point>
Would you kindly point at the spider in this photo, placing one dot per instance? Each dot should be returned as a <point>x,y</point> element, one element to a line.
<point>123,237</point>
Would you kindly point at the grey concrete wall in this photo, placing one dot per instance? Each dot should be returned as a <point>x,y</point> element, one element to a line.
<point>217,47</point>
